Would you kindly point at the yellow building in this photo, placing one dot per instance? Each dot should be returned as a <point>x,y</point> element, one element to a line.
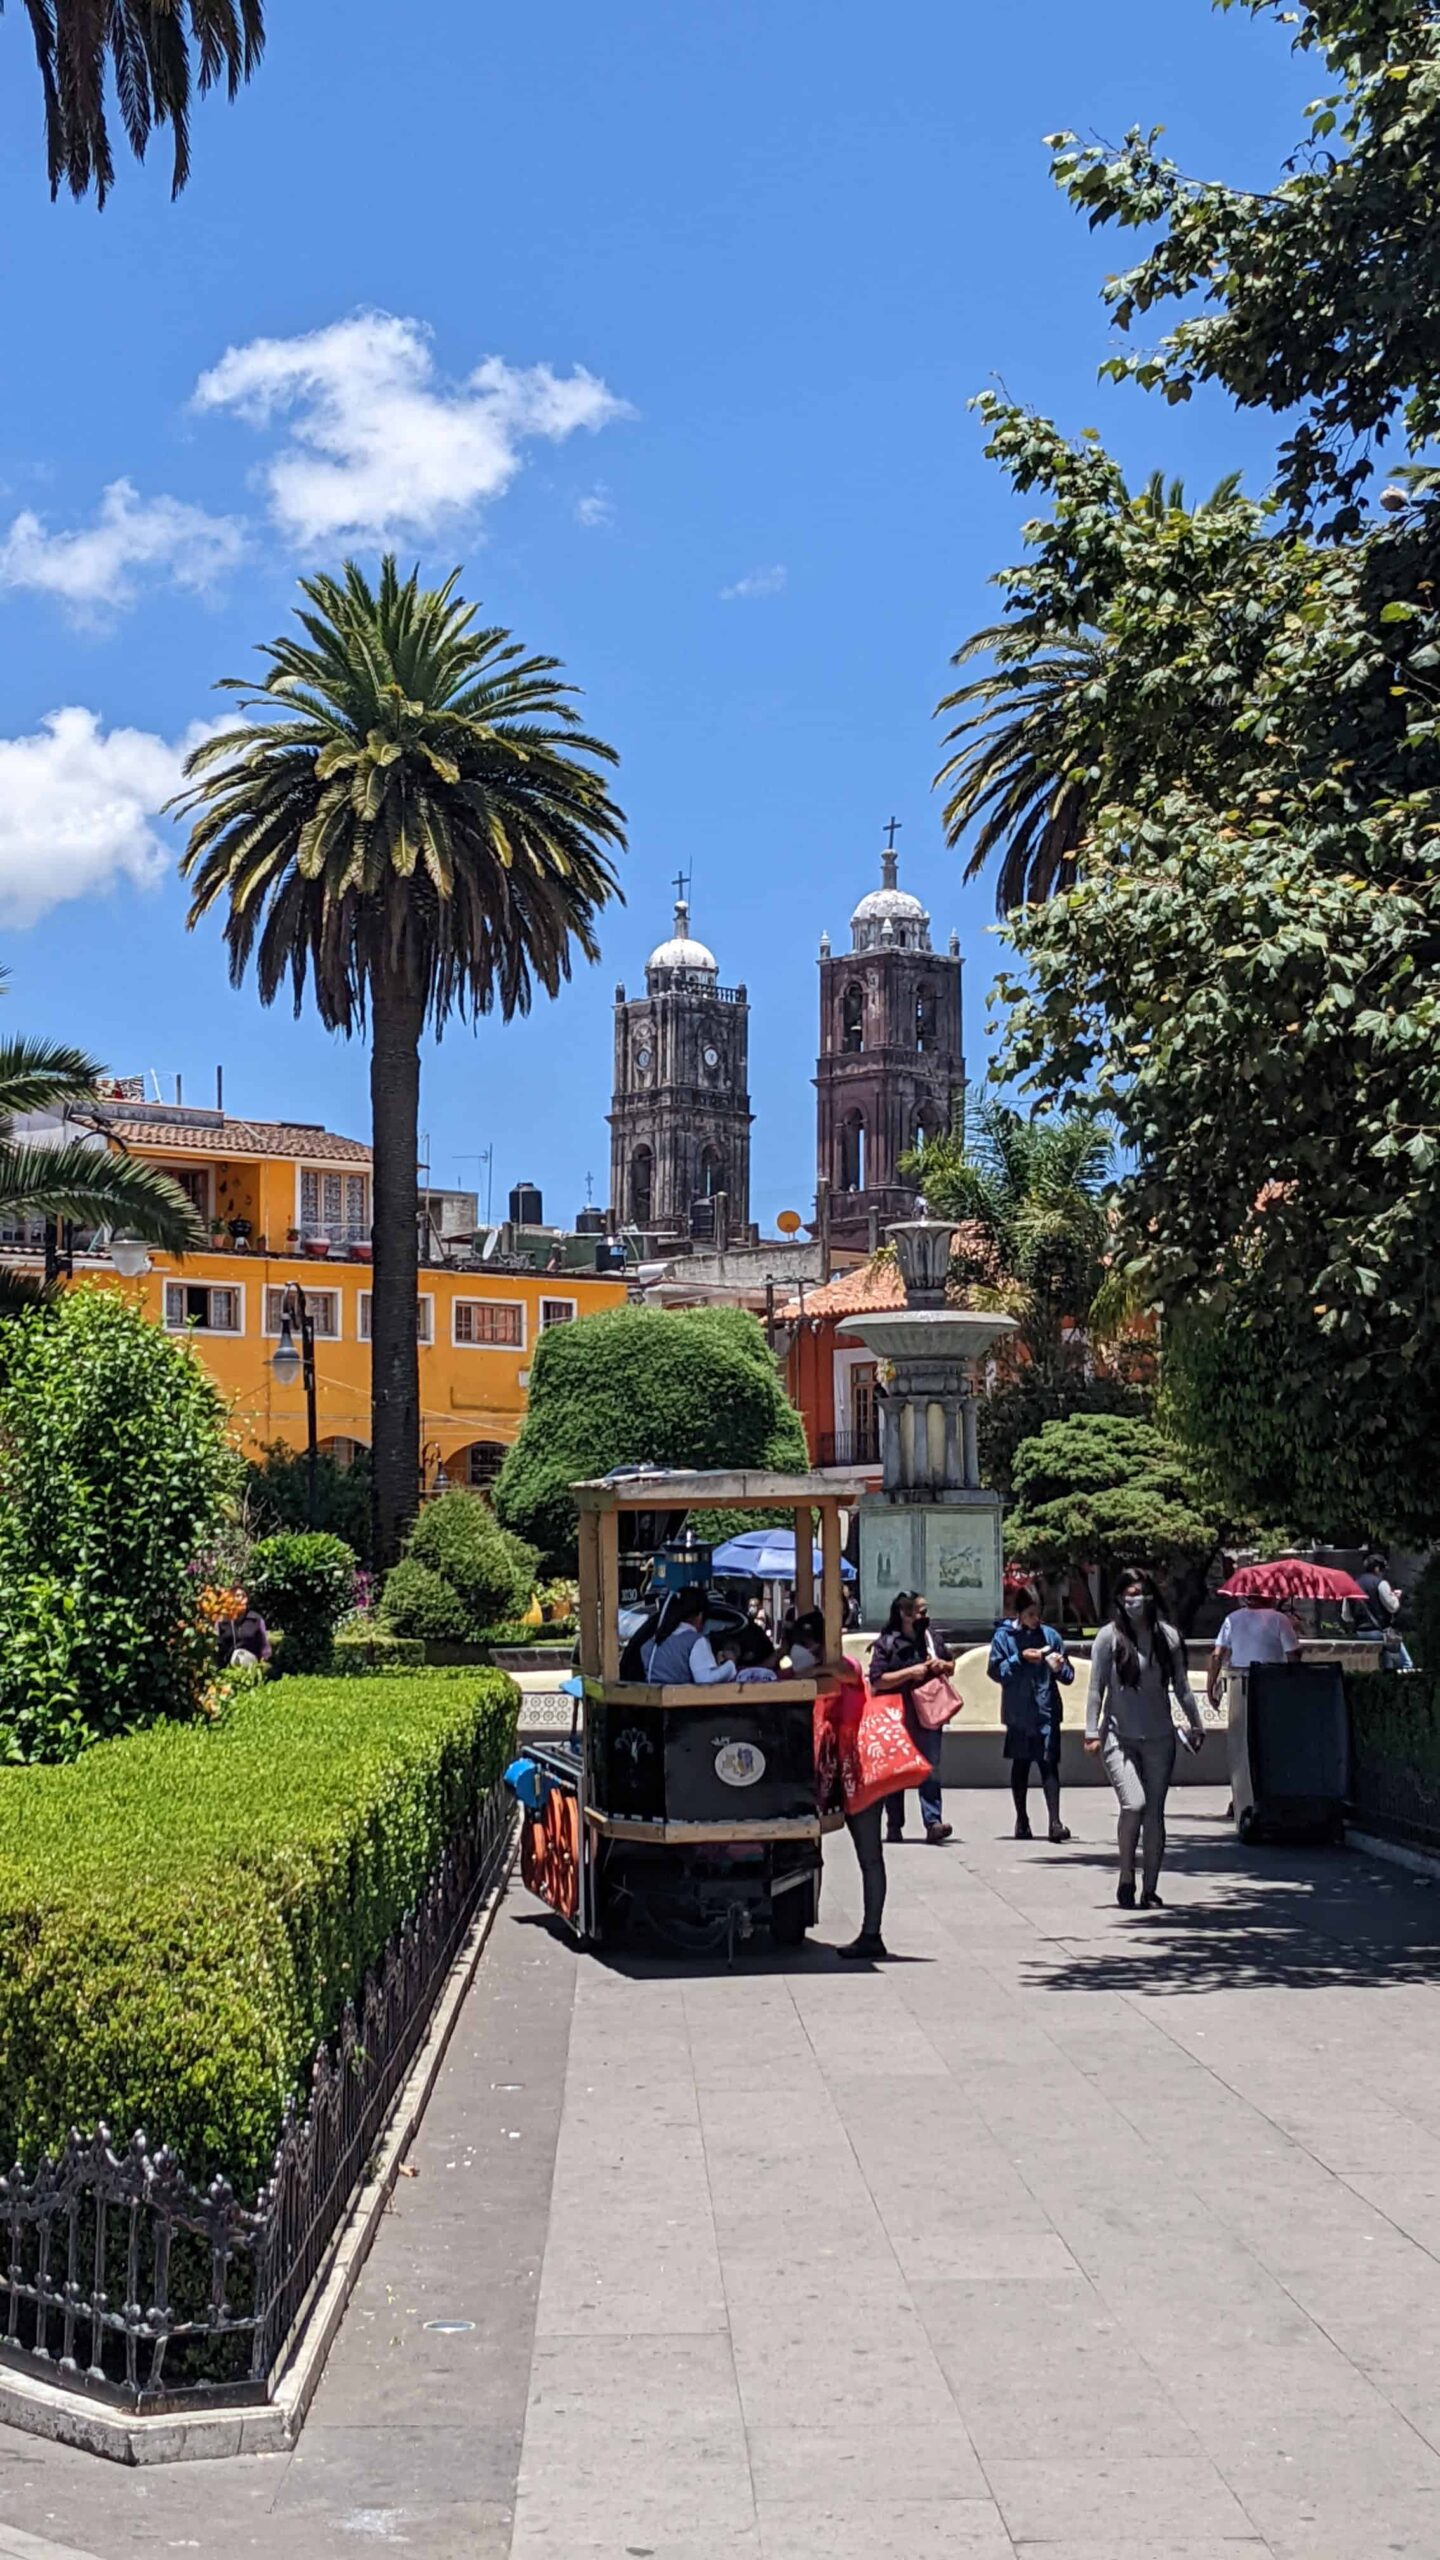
<point>291,1202</point>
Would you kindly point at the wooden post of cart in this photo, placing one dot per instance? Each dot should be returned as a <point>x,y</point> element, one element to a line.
<point>699,1814</point>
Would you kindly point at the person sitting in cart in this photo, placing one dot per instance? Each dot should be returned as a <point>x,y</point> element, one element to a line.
<point>752,1653</point>
<point>682,1654</point>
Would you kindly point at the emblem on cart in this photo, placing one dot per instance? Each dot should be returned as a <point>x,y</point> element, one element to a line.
<point>739,1764</point>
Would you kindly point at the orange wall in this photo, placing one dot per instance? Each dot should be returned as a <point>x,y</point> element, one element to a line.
<point>468,1393</point>
<point>810,1378</point>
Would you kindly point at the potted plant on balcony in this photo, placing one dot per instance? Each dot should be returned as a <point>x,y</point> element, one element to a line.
<point>292,1238</point>
<point>318,1247</point>
<point>218,1238</point>
<point>361,1249</point>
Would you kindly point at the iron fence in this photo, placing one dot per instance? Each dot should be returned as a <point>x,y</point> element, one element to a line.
<point>125,2280</point>
<point>858,1448</point>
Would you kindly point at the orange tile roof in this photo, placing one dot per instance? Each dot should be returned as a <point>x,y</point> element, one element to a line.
<point>875,1289</point>
<point>237,1138</point>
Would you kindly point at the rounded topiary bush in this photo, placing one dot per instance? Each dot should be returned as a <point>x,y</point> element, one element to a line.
<point>458,1537</point>
<point>418,1601</point>
<point>302,1582</point>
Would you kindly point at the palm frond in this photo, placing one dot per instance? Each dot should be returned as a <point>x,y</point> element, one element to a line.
<point>160,54</point>
<point>83,1181</point>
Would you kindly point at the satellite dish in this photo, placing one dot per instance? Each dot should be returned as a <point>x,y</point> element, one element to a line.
<point>789,1222</point>
<point>490,1244</point>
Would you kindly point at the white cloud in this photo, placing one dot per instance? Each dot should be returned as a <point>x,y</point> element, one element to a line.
<point>77,806</point>
<point>379,444</point>
<point>756,582</point>
<point>93,570</point>
<point>595,507</point>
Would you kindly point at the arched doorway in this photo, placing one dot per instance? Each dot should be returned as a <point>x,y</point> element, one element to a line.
<point>927,1026</point>
<point>478,1466</point>
<point>712,1173</point>
<point>642,1186</point>
<point>342,1451</point>
<point>852,1019</point>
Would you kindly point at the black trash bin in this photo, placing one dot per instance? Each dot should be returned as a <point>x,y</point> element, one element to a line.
<point>1289,1751</point>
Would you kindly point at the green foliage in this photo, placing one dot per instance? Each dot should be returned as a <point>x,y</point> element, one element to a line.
<point>277,1489</point>
<point>1395,1735</point>
<point>357,1652</point>
<point>1318,298</point>
<point>418,1601</point>
<point>183,1915</point>
<point>1019,1407</point>
<point>459,1537</point>
<point>1102,1489</point>
<point>114,1472</point>
<point>301,1582</point>
<point>638,1386</point>
<point>1424,1617</point>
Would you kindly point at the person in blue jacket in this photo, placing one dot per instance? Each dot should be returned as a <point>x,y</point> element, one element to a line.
<point>1029,1661</point>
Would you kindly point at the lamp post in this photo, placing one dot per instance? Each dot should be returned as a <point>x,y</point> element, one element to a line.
<point>289,1364</point>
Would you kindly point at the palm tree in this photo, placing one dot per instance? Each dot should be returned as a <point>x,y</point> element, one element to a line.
<point>146,48</point>
<point>95,1185</point>
<point>1031,746</point>
<point>410,832</point>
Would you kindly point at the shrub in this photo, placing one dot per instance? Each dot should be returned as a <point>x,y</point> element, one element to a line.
<point>640,1386</point>
<point>459,1537</point>
<point>114,1474</point>
<point>1103,1489</point>
<point>301,1583</point>
<point>359,1651</point>
<point>277,1492</point>
<point>417,1601</point>
<point>184,1915</point>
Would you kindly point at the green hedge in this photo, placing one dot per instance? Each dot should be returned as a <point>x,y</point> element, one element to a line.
<point>184,1914</point>
<point>376,1650</point>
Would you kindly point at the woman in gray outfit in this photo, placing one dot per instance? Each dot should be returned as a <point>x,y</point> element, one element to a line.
<point>1137,1667</point>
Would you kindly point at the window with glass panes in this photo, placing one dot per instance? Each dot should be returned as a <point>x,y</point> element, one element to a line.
<point>481,1322</point>
<point>189,1305</point>
<point>424,1318</point>
<point>556,1311</point>
<point>321,1305</point>
<point>194,1181</point>
<point>335,1204</point>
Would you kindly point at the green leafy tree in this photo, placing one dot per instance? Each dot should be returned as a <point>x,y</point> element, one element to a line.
<point>157,53</point>
<point>277,1494</point>
<point>414,828</point>
<point>461,1573</point>
<point>638,1386</point>
<point>115,1471</point>
<point>85,1177</point>
<point>1317,297</point>
<point>1104,1490</point>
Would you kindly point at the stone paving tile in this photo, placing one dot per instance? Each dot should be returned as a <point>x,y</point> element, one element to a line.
<point>1142,2495</point>
<point>896,2528</point>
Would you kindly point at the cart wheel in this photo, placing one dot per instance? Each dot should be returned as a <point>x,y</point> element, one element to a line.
<point>792,1915</point>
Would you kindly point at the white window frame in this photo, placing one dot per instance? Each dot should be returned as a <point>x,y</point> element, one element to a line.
<point>516,1306</point>
<point>545,1322</point>
<point>271,1332</point>
<point>212,1332</point>
<point>425,1302</point>
<point>358,1172</point>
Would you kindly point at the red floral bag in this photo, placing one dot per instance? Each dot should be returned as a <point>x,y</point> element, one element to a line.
<point>862,1740</point>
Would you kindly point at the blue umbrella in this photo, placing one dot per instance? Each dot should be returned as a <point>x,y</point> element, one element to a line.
<point>767,1555</point>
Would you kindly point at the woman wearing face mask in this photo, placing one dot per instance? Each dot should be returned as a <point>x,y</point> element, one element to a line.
<point>1137,1667</point>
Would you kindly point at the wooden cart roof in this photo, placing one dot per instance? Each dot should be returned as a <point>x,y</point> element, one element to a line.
<point>722,1489</point>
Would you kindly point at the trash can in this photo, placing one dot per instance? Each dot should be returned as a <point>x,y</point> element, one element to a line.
<point>1289,1751</point>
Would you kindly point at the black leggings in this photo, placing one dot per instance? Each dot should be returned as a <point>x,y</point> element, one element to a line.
<point>1049,1780</point>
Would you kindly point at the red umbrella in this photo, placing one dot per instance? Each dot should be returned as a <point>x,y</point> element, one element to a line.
<point>1291,1578</point>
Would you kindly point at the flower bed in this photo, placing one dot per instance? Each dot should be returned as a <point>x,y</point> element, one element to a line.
<point>184,1914</point>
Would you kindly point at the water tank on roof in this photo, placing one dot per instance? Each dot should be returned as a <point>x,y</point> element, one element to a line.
<point>591,1222</point>
<point>527,1209</point>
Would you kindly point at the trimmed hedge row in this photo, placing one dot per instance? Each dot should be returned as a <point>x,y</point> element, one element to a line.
<point>1395,1751</point>
<point>184,1914</point>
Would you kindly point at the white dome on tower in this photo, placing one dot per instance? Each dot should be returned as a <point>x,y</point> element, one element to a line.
<point>682,955</point>
<point>889,916</point>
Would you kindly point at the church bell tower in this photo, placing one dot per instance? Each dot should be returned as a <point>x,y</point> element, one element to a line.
<point>680,1117</point>
<point>891,1072</point>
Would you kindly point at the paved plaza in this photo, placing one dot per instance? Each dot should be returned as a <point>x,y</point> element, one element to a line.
<point>1067,2234</point>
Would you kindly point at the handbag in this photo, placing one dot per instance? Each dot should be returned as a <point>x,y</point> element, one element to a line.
<point>934,1702</point>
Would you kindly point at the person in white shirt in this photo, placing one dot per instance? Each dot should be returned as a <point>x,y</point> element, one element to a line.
<point>1253,1633</point>
<point>682,1653</point>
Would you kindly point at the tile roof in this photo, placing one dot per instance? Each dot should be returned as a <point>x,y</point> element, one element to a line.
<point>875,1289</point>
<point>237,1138</point>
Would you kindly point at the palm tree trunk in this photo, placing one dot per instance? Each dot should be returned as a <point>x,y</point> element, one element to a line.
<point>398,1014</point>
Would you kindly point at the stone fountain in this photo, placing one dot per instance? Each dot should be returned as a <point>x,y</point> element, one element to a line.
<point>933,1527</point>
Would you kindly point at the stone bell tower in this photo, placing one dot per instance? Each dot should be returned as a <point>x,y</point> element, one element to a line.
<point>891,1072</point>
<point>680,1117</point>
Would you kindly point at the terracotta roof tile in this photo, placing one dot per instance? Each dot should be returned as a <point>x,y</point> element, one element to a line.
<point>875,1289</point>
<point>237,1138</point>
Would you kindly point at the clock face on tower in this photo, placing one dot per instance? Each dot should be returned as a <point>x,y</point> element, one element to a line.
<point>712,1058</point>
<point>642,1058</point>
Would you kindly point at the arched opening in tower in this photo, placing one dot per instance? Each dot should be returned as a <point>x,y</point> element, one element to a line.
<point>642,1186</point>
<point>852,1020</point>
<point>852,1152</point>
<point>927,1032</point>
<point>712,1173</point>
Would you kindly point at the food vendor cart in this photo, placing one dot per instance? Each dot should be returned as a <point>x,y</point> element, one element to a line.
<point>689,1811</point>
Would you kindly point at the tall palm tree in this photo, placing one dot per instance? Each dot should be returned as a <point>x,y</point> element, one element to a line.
<point>410,831</point>
<point>157,53</point>
<point>94,1184</point>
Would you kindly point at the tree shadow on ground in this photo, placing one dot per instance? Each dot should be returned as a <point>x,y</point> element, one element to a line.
<point>1271,1918</point>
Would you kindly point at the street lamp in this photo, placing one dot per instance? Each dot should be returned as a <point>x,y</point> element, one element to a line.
<point>129,1256</point>
<point>288,1364</point>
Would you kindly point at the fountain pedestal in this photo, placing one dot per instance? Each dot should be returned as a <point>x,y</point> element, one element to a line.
<point>933,1527</point>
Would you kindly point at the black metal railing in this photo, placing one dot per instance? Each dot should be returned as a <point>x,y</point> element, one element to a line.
<point>124,2280</point>
<point>850,1448</point>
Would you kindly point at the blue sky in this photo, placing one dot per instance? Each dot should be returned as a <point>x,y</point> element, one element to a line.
<point>764,255</point>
